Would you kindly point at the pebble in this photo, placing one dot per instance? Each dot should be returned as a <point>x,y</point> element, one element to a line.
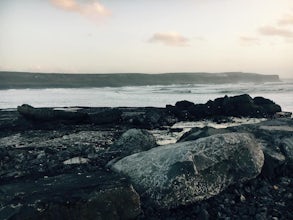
<point>242,198</point>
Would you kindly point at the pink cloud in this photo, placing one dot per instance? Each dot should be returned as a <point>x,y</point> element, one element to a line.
<point>169,38</point>
<point>273,31</point>
<point>91,9</point>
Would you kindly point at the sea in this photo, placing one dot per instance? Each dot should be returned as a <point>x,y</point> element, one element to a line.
<point>142,96</point>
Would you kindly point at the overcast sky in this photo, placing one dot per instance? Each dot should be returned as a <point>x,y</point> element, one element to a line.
<point>148,36</point>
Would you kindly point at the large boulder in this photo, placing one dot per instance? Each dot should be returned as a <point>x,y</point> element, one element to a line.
<point>98,195</point>
<point>133,141</point>
<point>274,135</point>
<point>187,172</point>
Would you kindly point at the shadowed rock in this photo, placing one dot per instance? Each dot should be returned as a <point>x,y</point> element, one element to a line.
<point>86,196</point>
<point>183,173</point>
<point>106,117</point>
<point>46,114</point>
<point>238,106</point>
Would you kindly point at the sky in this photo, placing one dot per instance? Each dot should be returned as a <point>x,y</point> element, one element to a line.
<point>147,36</point>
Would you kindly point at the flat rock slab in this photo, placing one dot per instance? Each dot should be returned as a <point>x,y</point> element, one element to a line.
<point>182,173</point>
<point>99,195</point>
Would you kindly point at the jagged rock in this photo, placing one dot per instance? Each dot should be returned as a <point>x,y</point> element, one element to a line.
<point>184,105</point>
<point>186,172</point>
<point>98,195</point>
<point>182,110</point>
<point>238,106</point>
<point>134,141</point>
<point>47,114</point>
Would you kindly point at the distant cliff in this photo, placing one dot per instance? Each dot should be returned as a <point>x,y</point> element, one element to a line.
<point>13,80</point>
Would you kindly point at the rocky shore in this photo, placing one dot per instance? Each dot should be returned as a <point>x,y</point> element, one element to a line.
<point>105,163</point>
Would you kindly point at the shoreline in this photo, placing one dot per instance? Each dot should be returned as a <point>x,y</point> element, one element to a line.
<point>56,160</point>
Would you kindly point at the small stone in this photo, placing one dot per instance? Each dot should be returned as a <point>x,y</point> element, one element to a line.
<point>275,187</point>
<point>76,160</point>
<point>242,198</point>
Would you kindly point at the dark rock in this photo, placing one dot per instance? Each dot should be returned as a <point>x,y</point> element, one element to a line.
<point>268,107</point>
<point>46,114</point>
<point>287,148</point>
<point>283,115</point>
<point>109,116</point>
<point>273,161</point>
<point>183,110</point>
<point>203,215</point>
<point>151,118</point>
<point>133,141</point>
<point>239,106</point>
<point>147,118</point>
<point>186,172</point>
<point>85,196</point>
<point>184,105</point>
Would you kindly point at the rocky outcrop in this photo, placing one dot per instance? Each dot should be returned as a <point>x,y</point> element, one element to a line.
<point>133,141</point>
<point>150,118</point>
<point>187,172</point>
<point>47,114</point>
<point>54,167</point>
<point>238,106</point>
<point>98,195</point>
<point>147,118</point>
